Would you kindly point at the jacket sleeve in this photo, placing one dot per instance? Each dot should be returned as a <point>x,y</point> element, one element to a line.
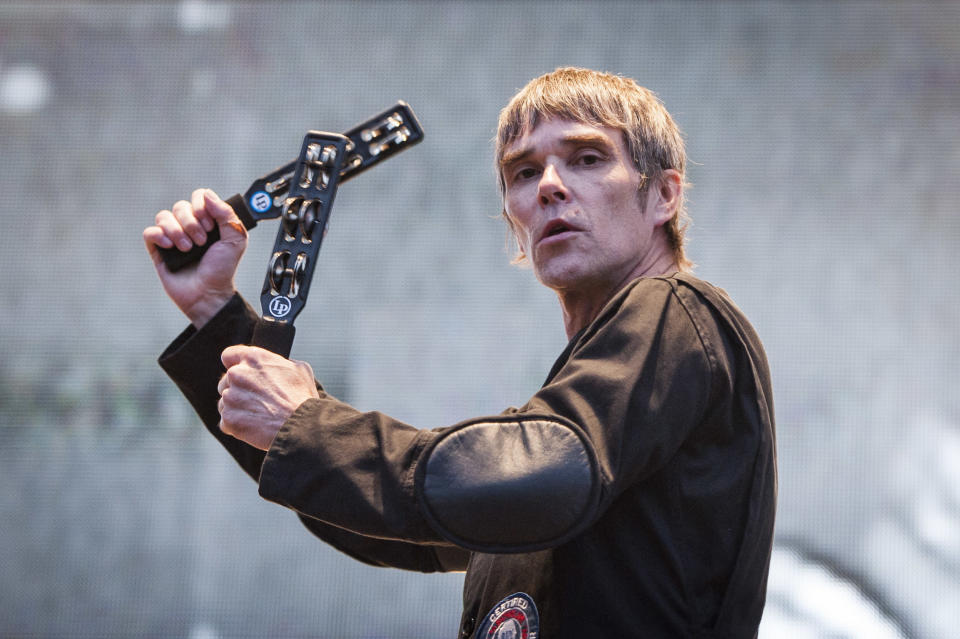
<point>634,386</point>
<point>193,362</point>
<point>390,553</point>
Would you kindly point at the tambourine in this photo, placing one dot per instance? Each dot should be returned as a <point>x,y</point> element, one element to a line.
<point>301,194</point>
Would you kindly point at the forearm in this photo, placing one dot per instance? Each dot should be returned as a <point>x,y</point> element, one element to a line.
<point>502,484</point>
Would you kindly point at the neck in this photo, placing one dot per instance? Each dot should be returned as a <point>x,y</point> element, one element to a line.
<point>581,306</point>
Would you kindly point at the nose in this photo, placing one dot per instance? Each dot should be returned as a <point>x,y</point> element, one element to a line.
<point>551,187</point>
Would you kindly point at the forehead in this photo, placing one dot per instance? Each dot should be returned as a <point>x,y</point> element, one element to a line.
<point>559,133</point>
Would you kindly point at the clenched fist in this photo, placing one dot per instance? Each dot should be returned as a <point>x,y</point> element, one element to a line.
<point>201,290</point>
<point>259,392</point>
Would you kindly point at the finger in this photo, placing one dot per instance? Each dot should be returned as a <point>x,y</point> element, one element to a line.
<point>231,229</point>
<point>257,357</point>
<point>252,355</point>
<point>304,367</point>
<point>154,237</point>
<point>200,209</point>
<point>222,385</point>
<point>233,355</point>
<point>187,217</point>
<point>226,428</point>
<point>227,412</point>
<point>172,228</point>
<point>226,423</point>
<point>231,422</point>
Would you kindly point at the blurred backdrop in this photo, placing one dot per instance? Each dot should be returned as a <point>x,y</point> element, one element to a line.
<point>824,142</point>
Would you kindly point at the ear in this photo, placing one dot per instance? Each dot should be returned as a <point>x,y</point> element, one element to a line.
<point>664,196</point>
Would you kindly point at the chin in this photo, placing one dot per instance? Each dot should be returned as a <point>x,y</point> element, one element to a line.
<point>562,278</point>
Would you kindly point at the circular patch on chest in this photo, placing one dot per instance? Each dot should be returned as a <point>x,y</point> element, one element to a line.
<point>514,617</point>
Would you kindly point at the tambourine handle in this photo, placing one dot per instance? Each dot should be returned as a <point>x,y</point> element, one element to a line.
<point>176,259</point>
<point>276,337</point>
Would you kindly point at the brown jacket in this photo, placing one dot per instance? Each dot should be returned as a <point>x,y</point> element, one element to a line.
<point>633,495</point>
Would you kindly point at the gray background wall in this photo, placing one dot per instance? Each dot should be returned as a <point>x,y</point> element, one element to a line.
<point>824,140</point>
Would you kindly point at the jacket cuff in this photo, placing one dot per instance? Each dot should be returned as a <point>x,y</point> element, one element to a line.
<point>348,468</point>
<point>232,325</point>
<point>192,360</point>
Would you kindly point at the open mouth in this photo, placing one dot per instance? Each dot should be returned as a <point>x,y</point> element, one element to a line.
<point>555,228</point>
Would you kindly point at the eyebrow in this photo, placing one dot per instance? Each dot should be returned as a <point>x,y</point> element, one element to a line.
<point>574,139</point>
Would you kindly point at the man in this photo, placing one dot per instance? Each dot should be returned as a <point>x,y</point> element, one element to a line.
<point>632,496</point>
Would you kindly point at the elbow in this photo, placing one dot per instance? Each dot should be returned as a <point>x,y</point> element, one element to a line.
<point>510,484</point>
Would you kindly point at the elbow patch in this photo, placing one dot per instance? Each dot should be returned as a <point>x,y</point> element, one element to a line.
<point>510,484</point>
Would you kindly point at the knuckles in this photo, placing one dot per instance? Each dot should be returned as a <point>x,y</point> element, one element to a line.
<point>304,368</point>
<point>237,376</point>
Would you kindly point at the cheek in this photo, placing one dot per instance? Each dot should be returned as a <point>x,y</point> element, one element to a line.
<point>519,221</point>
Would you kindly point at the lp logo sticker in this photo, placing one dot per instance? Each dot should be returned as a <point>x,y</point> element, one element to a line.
<point>260,202</point>
<point>280,306</point>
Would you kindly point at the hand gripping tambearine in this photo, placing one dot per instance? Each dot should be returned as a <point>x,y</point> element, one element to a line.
<point>301,194</point>
<point>371,142</point>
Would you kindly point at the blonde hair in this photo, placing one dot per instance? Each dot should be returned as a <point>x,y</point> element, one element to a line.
<point>652,138</point>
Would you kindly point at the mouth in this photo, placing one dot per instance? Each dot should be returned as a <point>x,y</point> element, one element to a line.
<point>555,228</point>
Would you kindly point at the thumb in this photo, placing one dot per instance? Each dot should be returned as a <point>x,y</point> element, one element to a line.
<point>252,355</point>
<point>233,355</point>
<point>231,228</point>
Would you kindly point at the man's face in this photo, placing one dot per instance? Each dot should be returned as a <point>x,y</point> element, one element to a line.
<point>572,194</point>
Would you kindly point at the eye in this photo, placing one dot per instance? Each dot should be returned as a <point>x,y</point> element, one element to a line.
<point>525,173</point>
<point>589,159</point>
